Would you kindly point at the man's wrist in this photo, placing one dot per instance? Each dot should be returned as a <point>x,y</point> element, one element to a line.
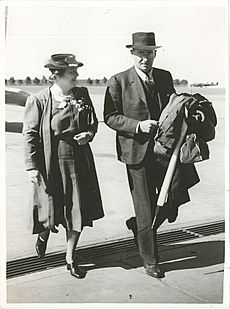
<point>91,135</point>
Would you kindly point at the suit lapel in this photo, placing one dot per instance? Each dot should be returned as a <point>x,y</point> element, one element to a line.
<point>136,85</point>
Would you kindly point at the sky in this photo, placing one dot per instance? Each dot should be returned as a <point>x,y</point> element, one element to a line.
<point>192,34</point>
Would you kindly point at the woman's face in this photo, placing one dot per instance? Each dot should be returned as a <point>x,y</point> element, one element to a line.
<point>68,80</point>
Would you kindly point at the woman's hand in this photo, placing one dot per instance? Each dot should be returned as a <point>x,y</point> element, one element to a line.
<point>83,137</point>
<point>34,176</point>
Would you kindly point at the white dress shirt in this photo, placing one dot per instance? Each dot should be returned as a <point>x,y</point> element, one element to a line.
<point>144,78</point>
<point>143,75</point>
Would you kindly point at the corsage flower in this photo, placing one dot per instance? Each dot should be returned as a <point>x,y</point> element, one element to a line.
<point>79,104</point>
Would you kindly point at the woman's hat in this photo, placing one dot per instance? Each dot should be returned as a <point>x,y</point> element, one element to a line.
<point>62,61</point>
<point>143,40</point>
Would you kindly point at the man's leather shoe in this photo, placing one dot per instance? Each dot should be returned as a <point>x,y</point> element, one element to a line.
<point>75,271</point>
<point>40,247</point>
<point>153,270</point>
<point>131,224</point>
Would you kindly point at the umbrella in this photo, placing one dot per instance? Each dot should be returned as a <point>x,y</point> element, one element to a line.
<point>15,96</point>
<point>162,198</point>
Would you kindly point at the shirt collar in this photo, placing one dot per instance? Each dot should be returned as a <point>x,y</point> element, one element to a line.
<point>141,74</point>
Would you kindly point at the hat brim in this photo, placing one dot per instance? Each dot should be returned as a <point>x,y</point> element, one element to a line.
<point>72,65</point>
<point>142,47</point>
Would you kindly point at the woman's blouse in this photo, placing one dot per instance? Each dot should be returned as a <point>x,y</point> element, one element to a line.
<point>68,116</point>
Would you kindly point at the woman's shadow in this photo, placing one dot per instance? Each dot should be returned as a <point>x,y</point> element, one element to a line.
<point>173,257</point>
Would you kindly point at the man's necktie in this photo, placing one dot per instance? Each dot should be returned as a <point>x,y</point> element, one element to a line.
<point>154,107</point>
<point>150,84</point>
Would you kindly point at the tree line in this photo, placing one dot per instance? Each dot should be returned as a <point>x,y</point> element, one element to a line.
<point>43,81</point>
<point>88,81</point>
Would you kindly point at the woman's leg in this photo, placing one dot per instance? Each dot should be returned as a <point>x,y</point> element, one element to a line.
<point>41,243</point>
<point>72,238</point>
<point>72,266</point>
<point>44,235</point>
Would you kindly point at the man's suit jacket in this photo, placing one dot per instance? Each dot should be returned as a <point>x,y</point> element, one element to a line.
<point>126,104</point>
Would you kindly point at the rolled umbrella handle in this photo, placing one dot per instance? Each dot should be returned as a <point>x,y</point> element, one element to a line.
<point>170,170</point>
<point>172,164</point>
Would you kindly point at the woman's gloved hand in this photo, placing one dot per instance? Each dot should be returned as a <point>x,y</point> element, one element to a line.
<point>34,176</point>
<point>84,137</point>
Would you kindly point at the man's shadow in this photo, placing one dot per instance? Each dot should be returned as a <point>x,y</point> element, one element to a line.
<point>195,255</point>
<point>13,127</point>
<point>173,257</point>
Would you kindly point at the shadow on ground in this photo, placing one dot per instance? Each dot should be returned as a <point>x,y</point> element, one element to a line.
<point>13,127</point>
<point>173,257</point>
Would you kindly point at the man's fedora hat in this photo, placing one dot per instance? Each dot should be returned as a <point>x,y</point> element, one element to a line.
<point>143,40</point>
<point>62,61</point>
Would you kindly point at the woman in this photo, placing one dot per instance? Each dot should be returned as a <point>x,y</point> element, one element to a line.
<point>59,122</point>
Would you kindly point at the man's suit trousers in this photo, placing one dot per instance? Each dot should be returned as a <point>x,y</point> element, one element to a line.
<point>143,184</point>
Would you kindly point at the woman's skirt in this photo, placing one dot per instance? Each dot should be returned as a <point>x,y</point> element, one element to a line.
<point>77,190</point>
<point>71,196</point>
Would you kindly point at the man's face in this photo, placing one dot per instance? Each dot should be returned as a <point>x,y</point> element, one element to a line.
<point>143,59</point>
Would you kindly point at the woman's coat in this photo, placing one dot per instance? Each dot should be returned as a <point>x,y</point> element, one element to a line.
<point>38,155</point>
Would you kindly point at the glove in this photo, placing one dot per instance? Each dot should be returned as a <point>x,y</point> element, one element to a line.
<point>34,176</point>
<point>84,137</point>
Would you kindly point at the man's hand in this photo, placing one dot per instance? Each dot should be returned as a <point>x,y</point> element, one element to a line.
<point>148,126</point>
<point>82,138</point>
<point>34,176</point>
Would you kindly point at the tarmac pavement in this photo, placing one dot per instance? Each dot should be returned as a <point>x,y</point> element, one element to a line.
<point>190,278</point>
<point>194,269</point>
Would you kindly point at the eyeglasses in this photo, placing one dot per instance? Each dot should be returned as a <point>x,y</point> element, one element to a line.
<point>144,53</point>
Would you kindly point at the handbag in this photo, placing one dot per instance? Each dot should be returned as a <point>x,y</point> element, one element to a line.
<point>40,214</point>
<point>193,150</point>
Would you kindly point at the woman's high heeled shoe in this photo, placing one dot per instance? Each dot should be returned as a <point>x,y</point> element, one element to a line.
<point>40,247</point>
<point>75,271</point>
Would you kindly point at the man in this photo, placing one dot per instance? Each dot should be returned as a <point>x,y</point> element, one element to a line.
<point>134,100</point>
